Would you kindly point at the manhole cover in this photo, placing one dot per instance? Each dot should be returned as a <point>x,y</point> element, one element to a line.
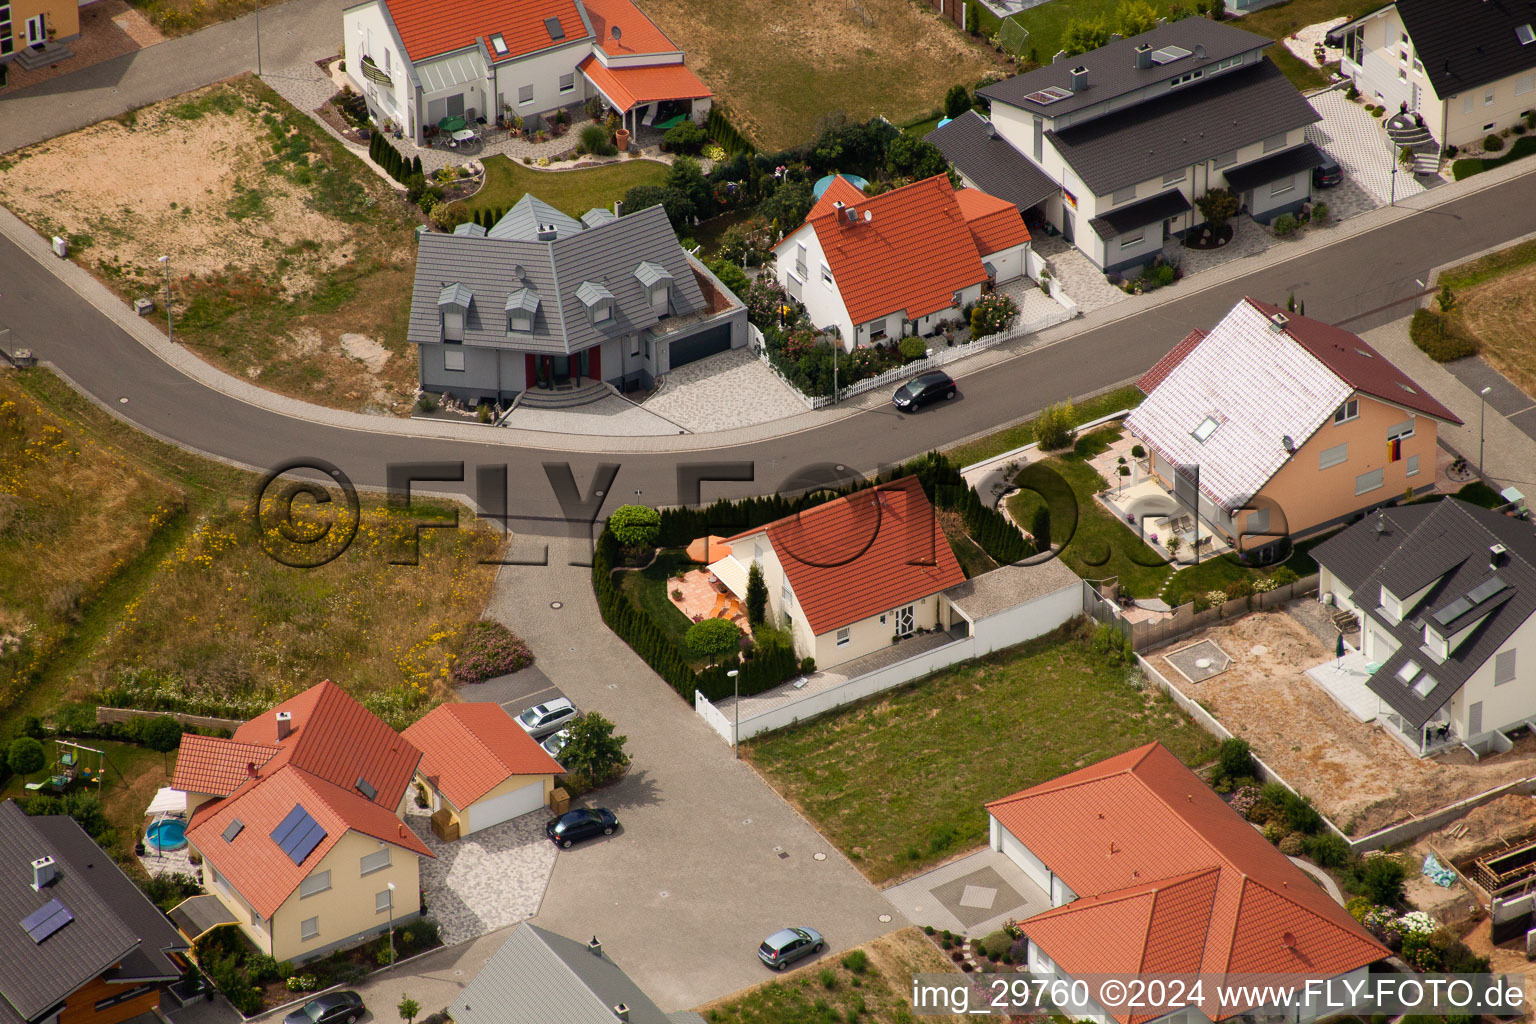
<point>783,855</point>
<point>556,605</point>
<point>664,894</point>
<point>746,821</point>
<point>885,918</point>
<point>613,686</point>
<point>818,856</point>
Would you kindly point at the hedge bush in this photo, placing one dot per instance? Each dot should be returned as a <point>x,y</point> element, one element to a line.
<point>1440,338</point>
<point>489,649</point>
<point>1493,144</point>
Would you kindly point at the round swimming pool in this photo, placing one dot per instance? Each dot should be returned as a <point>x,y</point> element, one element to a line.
<point>166,834</point>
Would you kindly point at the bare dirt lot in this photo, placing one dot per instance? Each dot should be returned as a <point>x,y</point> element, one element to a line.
<point>1356,774</point>
<point>290,263</point>
<point>779,65</point>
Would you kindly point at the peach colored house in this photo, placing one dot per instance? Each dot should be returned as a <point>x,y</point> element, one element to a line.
<point>1273,425</point>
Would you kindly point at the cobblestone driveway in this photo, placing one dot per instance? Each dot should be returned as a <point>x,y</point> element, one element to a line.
<point>488,880</point>
<point>732,389</point>
<point>1357,141</point>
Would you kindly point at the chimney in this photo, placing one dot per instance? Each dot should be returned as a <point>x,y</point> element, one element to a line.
<point>284,724</point>
<point>250,768</point>
<point>1079,78</point>
<point>594,947</point>
<point>1115,37</point>
<point>1495,553</point>
<point>1144,56</point>
<point>618,207</point>
<point>1277,322</point>
<point>621,1011</point>
<point>547,233</point>
<point>43,873</point>
<point>838,204</point>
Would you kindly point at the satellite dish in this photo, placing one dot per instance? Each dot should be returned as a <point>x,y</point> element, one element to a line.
<point>517,271</point>
<point>617,35</point>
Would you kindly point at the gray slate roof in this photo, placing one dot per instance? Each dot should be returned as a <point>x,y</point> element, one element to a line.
<point>1463,45</point>
<point>1194,123</point>
<point>991,161</point>
<point>113,921</point>
<point>605,256</point>
<point>1273,167</point>
<point>1010,585</point>
<point>529,214</point>
<point>1405,547</point>
<point>538,977</point>
<point>1124,219</point>
<point>1112,69</point>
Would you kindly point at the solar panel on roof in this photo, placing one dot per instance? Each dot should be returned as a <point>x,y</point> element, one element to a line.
<point>552,26</point>
<point>298,834</point>
<point>1486,589</point>
<point>1451,611</point>
<point>1045,97</point>
<point>234,829</point>
<point>1169,54</point>
<point>46,920</point>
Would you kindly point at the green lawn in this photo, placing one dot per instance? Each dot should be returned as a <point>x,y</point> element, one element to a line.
<point>1486,268</point>
<point>1098,545</point>
<point>648,587</point>
<point>133,773</point>
<point>922,128</point>
<point>1283,19</point>
<point>1046,22</point>
<point>979,449</point>
<point>1215,573</point>
<point>898,781</point>
<point>1523,147</point>
<point>572,192</point>
<point>973,561</point>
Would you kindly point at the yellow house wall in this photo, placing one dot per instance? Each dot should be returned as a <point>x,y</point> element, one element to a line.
<point>870,635</point>
<point>1310,496</point>
<point>63,17</point>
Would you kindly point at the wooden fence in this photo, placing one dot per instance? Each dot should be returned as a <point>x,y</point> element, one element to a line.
<point>954,10</point>
<point>105,715</point>
<point>1185,620</point>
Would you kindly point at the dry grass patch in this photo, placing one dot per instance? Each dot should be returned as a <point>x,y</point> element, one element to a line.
<point>871,984</point>
<point>281,242</point>
<point>73,512</point>
<point>1501,312</point>
<point>780,65</point>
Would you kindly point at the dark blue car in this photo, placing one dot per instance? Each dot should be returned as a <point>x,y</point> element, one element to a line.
<point>574,826</point>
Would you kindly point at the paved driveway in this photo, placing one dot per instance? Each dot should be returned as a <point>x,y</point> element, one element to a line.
<point>1357,141</point>
<point>710,860</point>
<point>485,881</point>
<point>731,389</point>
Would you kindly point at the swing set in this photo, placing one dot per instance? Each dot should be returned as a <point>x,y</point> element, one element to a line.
<point>73,762</point>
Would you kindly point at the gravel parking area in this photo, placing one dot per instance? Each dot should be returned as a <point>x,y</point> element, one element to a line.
<point>487,880</point>
<point>732,389</point>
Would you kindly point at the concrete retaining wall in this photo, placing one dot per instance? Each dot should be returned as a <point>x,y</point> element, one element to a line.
<point>105,715</point>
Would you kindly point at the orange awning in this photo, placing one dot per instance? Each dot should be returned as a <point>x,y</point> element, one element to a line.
<point>627,88</point>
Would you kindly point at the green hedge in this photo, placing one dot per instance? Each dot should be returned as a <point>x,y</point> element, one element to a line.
<point>720,128</point>
<point>1523,146</point>
<point>1440,338</point>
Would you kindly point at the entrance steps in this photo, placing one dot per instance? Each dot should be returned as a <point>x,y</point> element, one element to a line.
<point>565,396</point>
<point>40,57</point>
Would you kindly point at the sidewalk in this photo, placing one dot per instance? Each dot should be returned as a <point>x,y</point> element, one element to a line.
<point>190,365</point>
<point>291,33</point>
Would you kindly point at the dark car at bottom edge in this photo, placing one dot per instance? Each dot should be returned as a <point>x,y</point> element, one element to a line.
<point>582,823</point>
<point>332,1008</point>
<point>919,391</point>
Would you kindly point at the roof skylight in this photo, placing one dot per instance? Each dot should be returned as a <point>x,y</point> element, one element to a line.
<point>1409,672</point>
<point>1206,428</point>
<point>1169,54</point>
<point>554,28</point>
<point>499,44</point>
<point>1525,34</point>
<point>1425,684</point>
<point>1051,94</point>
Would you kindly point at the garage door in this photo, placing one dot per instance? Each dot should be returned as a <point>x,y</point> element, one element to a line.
<point>1020,855</point>
<point>705,343</point>
<point>507,806</point>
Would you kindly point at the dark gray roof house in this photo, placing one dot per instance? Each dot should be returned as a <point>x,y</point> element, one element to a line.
<point>545,299</point>
<point>1464,45</point>
<point>538,977</point>
<point>1444,591</point>
<point>989,162</point>
<point>75,934</point>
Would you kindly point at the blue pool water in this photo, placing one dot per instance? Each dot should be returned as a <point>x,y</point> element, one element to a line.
<point>166,834</point>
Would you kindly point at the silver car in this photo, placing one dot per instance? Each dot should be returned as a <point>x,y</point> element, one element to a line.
<point>551,716</point>
<point>556,743</point>
<point>787,945</point>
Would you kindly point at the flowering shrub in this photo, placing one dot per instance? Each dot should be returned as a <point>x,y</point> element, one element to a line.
<point>993,313</point>
<point>302,983</point>
<point>489,649</point>
<point>1416,923</point>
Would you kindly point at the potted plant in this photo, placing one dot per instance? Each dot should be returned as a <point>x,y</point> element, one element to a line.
<point>621,139</point>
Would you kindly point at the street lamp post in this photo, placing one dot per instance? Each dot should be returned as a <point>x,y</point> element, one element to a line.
<point>736,731</point>
<point>170,317</point>
<point>258,38</point>
<point>391,922</point>
<point>1482,415</point>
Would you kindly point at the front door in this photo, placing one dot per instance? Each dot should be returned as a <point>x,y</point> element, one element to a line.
<point>37,30</point>
<point>1413,104</point>
<point>1066,225</point>
<point>906,621</point>
<point>561,369</point>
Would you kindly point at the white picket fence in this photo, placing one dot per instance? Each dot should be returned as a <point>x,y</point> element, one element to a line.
<point>942,357</point>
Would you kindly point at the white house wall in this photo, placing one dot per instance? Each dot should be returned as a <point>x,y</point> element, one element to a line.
<point>1504,705</point>
<point>823,303</point>
<point>366,30</point>
<point>541,70</point>
<point>1028,620</point>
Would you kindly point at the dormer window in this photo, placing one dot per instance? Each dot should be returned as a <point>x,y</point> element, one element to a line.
<point>657,282</point>
<point>598,301</point>
<point>453,304</point>
<point>522,307</point>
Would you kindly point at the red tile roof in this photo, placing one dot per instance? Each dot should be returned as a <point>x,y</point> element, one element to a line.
<point>1164,366</point>
<point>629,87</point>
<point>429,28</point>
<point>995,223</point>
<point>469,749</point>
<point>336,738</point>
<point>637,33</point>
<point>208,764</point>
<point>1171,880</point>
<point>252,862</point>
<point>913,253</point>
<point>1357,364</point>
<point>839,189</point>
<point>875,550</point>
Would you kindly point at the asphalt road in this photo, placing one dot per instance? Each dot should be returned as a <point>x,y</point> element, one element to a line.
<point>1360,282</point>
